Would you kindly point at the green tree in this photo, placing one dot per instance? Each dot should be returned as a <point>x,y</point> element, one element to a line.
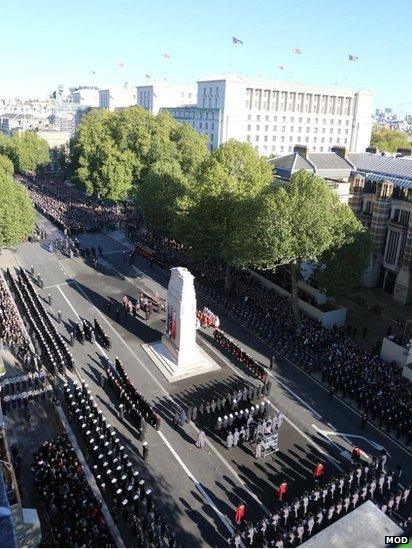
<point>6,165</point>
<point>5,145</point>
<point>28,152</point>
<point>97,162</point>
<point>342,265</point>
<point>297,223</point>
<point>191,148</point>
<point>158,195</point>
<point>388,140</point>
<point>17,213</point>
<point>214,217</point>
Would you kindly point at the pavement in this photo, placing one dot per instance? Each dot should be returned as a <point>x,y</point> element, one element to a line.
<point>197,490</point>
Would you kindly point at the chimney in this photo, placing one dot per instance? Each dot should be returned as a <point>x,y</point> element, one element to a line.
<point>404,152</point>
<point>302,150</point>
<point>340,151</point>
<point>373,150</point>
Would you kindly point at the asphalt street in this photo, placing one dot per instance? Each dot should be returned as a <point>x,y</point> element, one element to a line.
<point>198,490</point>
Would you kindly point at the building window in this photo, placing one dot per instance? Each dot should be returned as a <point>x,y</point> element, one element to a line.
<point>248,138</point>
<point>300,129</point>
<point>256,138</point>
<point>213,126</point>
<point>258,128</point>
<point>291,138</point>
<point>206,126</point>
<point>307,139</point>
<point>275,119</point>
<point>292,118</point>
<point>258,118</point>
<point>292,129</point>
<point>275,128</point>
<point>265,139</point>
<point>266,128</point>
<point>249,117</point>
<point>308,121</point>
<point>331,130</point>
<point>266,118</point>
<point>283,128</point>
<point>307,129</point>
<point>392,247</point>
<point>321,149</point>
<point>273,137</point>
<point>249,127</point>
<point>282,138</point>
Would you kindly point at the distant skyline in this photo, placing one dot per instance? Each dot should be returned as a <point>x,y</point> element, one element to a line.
<point>47,43</point>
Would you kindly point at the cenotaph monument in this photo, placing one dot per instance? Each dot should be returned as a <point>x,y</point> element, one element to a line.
<point>177,354</point>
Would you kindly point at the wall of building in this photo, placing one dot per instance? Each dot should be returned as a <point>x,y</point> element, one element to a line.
<point>274,116</point>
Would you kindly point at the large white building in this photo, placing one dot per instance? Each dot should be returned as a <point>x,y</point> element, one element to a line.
<point>159,95</point>
<point>86,96</point>
<point>274,116</point>
<point>117,97</point>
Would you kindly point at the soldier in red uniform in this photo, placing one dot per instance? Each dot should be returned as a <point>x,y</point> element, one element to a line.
<point>282,490</point>
<point>318,471</point>
<point>240,513</point>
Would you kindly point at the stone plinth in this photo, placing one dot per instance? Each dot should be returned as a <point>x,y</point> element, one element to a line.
<point>177,355</point>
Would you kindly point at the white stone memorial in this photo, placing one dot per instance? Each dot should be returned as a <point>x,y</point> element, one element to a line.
<point>177,355</point>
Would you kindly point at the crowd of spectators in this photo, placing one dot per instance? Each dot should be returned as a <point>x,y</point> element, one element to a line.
<point>75,514</point>
<point>378,388</point>
<point>70,209</point>
<point>12,330</point>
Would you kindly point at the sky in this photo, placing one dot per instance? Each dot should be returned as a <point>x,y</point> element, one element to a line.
<point>44,43</point>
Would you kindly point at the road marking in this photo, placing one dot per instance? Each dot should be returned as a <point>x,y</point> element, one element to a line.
<point>205,496</point>
<point>53,286</point>
<point>91,479</point>
<point>202,491</point>
<point>337,397</point>
<point>216,452</point>
<point>75,312</point>
<point>375,445</point>
<point>304,435</point>
<point>304,403</point>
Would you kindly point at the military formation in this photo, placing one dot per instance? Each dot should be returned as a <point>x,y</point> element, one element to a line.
<point>296,521</point>
<point>48,343</point>
<point>115,473</point>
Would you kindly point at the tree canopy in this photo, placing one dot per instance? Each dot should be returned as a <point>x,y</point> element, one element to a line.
<point>129,144</point>
<point>214,216</point>
<point>388,140</point>
<point>27,151</point>
<point>6,165</point>
<point>304,221</point>
<point>17,213</point>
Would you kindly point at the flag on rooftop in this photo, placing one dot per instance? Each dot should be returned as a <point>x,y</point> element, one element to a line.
<point>236,40</point>
<point>353,58</point>
<point>93,72</point>
<point>166,55</point>
<point>147,76</point>
<point>121,65</point>
<point>281,67</point>
<point>296,51</point>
